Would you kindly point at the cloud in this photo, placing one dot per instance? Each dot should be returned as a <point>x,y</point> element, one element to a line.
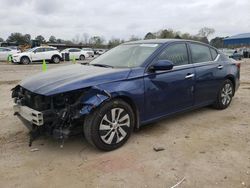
<point>113,18</point>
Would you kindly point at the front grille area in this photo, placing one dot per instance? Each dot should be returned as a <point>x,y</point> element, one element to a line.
<point>32,100</point>
<point>41,103</point>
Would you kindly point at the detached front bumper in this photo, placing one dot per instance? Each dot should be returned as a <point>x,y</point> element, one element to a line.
<point>32,116</point>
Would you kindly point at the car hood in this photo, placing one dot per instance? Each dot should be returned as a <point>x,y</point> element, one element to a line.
<point>21,54</point>
<point>72,77</point>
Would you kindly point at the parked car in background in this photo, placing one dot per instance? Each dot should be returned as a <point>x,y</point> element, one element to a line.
<point>100,51</point>
<point>6,52</point>
<point>16,48</point>
<point>76,53</point>
<point>37,54</point>
<point>131,85</point>
<point>89,51</point>
<point>234,54</point>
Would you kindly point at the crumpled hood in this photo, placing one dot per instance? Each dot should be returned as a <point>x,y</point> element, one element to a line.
<point>72,77</point>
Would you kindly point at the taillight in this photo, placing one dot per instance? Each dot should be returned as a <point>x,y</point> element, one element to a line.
<point>238,65</point>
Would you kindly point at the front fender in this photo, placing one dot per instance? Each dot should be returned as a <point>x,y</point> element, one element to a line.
<point>93,99</point>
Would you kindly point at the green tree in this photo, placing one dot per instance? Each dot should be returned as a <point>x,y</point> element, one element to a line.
<point>149,35</point>
<point>1,39</point>
<point>19,38</point>
<point>40,39</point>
<point>167,33</point>
<point>217,42</point>
<point>114,42</point>
<point>96,41</point>
<point>52,39</point>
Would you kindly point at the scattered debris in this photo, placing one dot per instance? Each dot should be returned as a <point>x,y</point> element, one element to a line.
<point>34,149</point>
<point>159,149</point>
<point>177,184</point>
<point>202,152</point>
<point>243,183</point>
<point>187,137</point>
<point>225,177</point>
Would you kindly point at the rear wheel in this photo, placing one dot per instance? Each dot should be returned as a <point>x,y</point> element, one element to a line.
<point>55,59</point>
<point>109,126</point>
<point>25,60</point>
<point>225,95</point>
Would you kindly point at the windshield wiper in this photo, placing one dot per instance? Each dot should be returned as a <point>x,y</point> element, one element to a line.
<point>102,65</point>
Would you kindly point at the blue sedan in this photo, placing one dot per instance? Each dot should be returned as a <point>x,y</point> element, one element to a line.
<point>129,86</point>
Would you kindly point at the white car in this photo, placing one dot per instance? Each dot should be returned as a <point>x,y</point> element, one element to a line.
<point>6,52</point>
<point>89,51</point>
<point>36,54</point>
<point>76,53</point>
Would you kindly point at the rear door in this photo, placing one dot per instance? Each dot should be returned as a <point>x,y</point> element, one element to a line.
<point>170,91</point>
<point>74,53</point>
<point>4,52</point>
<point>208,70</point>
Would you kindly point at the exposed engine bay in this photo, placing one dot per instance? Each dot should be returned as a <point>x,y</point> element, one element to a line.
<point>59,115</point>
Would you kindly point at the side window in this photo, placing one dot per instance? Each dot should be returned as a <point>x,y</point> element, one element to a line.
<point>177,53</point>
<point>214,53</point>
<point>77,50</point>
<point>49,49</point>
<point>200,53</point>
<point>39,50</point>
<point>71,50</point>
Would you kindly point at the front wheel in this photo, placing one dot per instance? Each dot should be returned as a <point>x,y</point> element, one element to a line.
<point>82,57</point>
<point>225,95</point>
<point>109,126</point>
<point>25,60</point>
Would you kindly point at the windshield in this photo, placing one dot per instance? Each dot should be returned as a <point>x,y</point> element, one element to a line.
<point>127,55</point>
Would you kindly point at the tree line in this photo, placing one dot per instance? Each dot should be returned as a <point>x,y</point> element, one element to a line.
<point>98,41</point>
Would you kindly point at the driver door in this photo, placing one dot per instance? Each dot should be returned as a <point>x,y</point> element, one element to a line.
<point>170,91</point>
<point>38,54</point>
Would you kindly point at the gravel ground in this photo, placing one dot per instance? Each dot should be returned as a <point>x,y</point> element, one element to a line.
<point>207,147</point>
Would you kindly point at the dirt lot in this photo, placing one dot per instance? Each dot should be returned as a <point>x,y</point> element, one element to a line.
<point>210,148</point>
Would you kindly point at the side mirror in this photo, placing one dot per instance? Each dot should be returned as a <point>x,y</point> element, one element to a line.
<point>162,65</point>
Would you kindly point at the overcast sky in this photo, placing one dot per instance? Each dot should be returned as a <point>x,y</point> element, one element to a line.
<point>121,18</point>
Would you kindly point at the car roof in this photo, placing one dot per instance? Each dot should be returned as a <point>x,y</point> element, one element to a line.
<point>161,41</point>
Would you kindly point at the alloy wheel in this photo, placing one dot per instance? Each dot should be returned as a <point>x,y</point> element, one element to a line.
<point>226,94</point>
<point>114,126</point>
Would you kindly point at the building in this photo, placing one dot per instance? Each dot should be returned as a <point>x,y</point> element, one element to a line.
<point>240,40</point>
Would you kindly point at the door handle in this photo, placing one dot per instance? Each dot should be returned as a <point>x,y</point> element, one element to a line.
<point>189,76</point>
<point>220,67</point>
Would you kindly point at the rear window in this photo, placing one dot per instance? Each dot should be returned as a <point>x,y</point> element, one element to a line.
<point>200,53</point>
<point>213,53</point>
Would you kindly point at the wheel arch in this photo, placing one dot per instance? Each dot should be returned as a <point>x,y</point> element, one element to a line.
<point>25,56</point>
<point>97,97</point>
<point>232,79</point>
<point>129,101</point>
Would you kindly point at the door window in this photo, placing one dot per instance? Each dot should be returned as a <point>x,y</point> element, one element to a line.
<point>200,53</point>
<point>39,50</point>
<point>214,53</point>
<point>176,53</point>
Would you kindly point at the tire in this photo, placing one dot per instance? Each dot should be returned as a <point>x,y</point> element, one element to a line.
<point>104,131</point>
<point>25,60</point>
<point>82,57</point>
<point>225,95</point>
<point>55,59</point>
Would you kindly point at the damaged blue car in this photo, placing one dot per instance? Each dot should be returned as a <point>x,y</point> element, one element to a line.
<point>129,86</point>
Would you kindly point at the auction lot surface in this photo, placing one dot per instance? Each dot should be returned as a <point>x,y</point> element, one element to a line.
<point>210,148</point>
